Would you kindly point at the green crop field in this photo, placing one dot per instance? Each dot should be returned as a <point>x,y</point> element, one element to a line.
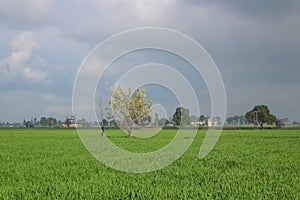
<point>245,164</point>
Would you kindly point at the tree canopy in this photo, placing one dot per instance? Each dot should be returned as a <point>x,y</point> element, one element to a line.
<point>130,108</point>
<point>181,116</point>
<point>260,114</point>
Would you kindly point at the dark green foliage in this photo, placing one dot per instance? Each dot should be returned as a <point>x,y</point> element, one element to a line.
<point>260,114</point>
<point>181,116</point>
<point>245,164</point>
<point>163,122</point>
<point>28,124</point>
<point>104,122</point>
<point>43,121</point>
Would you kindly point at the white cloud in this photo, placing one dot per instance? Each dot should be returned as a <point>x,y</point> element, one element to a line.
<point>34,75</point>
<point>20,59</point>
<point>92,20</point>
<point>142,10</point>
<point>150,9</point>
<point>25,41</point>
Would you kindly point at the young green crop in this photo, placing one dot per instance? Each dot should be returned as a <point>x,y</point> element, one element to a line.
<point>53,164</point>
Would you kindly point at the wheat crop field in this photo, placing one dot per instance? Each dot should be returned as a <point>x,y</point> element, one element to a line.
<point>245,164</point>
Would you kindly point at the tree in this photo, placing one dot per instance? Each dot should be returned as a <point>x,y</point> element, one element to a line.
<point>242,119</point>
<point>104,122</point>
<point>193,118</point>
<point>217,120</point>
<point>236,120</point>
<point>28,124</point>
<point>83,122</point>
<point>108,116</point>
<point>202,118</point>
<point>130,108</point>
<point>181,116</point>
<point>163,122</point>
<point>260,114</point>
<point>51,122</point>
<point>281,122</point>
<point>113,123</point>
<point>156,119</point>
<point>230,120</point>
<point>43,121</point>
<point>68,122</point>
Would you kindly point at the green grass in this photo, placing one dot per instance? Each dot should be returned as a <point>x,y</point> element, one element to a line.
<point>245,164</point>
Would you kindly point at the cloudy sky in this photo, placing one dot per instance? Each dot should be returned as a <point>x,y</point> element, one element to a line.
<point>255,44</point>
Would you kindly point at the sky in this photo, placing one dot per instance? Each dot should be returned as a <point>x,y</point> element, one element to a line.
<point>255,45</point>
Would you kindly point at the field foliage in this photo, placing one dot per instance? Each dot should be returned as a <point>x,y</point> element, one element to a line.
<point>245,164</point>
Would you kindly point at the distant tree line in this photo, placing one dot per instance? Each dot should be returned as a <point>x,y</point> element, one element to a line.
<point>258,116</point>
<point>237,120</point>
<point>42,122</point>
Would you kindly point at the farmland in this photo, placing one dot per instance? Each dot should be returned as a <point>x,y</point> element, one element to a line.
<point>245,164</point>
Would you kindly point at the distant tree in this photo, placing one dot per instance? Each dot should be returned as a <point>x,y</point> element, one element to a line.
<point>43,121</point>
<point>230,120</point>
<point>202,118</point>
<point>28,124</point>
<point>242,119</point>
<point>156,119</point>
<point>217,120</point>
<point>281,122</point>
<point>163,122</point>
<point>236,120</point>
<point>130,108</point>
<point>193,118</point>
<point>272,119</point>
<point>104,122</point>
<point>108,116</point>
<point>260,114</point>
<point>181,116</point>
<point>84,123</point>
<point>51,122</point>
<point>68,122</point>
<point>113,123</point>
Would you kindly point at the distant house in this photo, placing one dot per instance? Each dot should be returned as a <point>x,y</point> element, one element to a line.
<point>196,124</point>
<point>71,123</point>
<point>207,122</point>
<point>213,122</point>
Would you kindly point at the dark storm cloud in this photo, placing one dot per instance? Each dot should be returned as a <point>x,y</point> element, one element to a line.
<point>255,44</point>
<point>269,9</point>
